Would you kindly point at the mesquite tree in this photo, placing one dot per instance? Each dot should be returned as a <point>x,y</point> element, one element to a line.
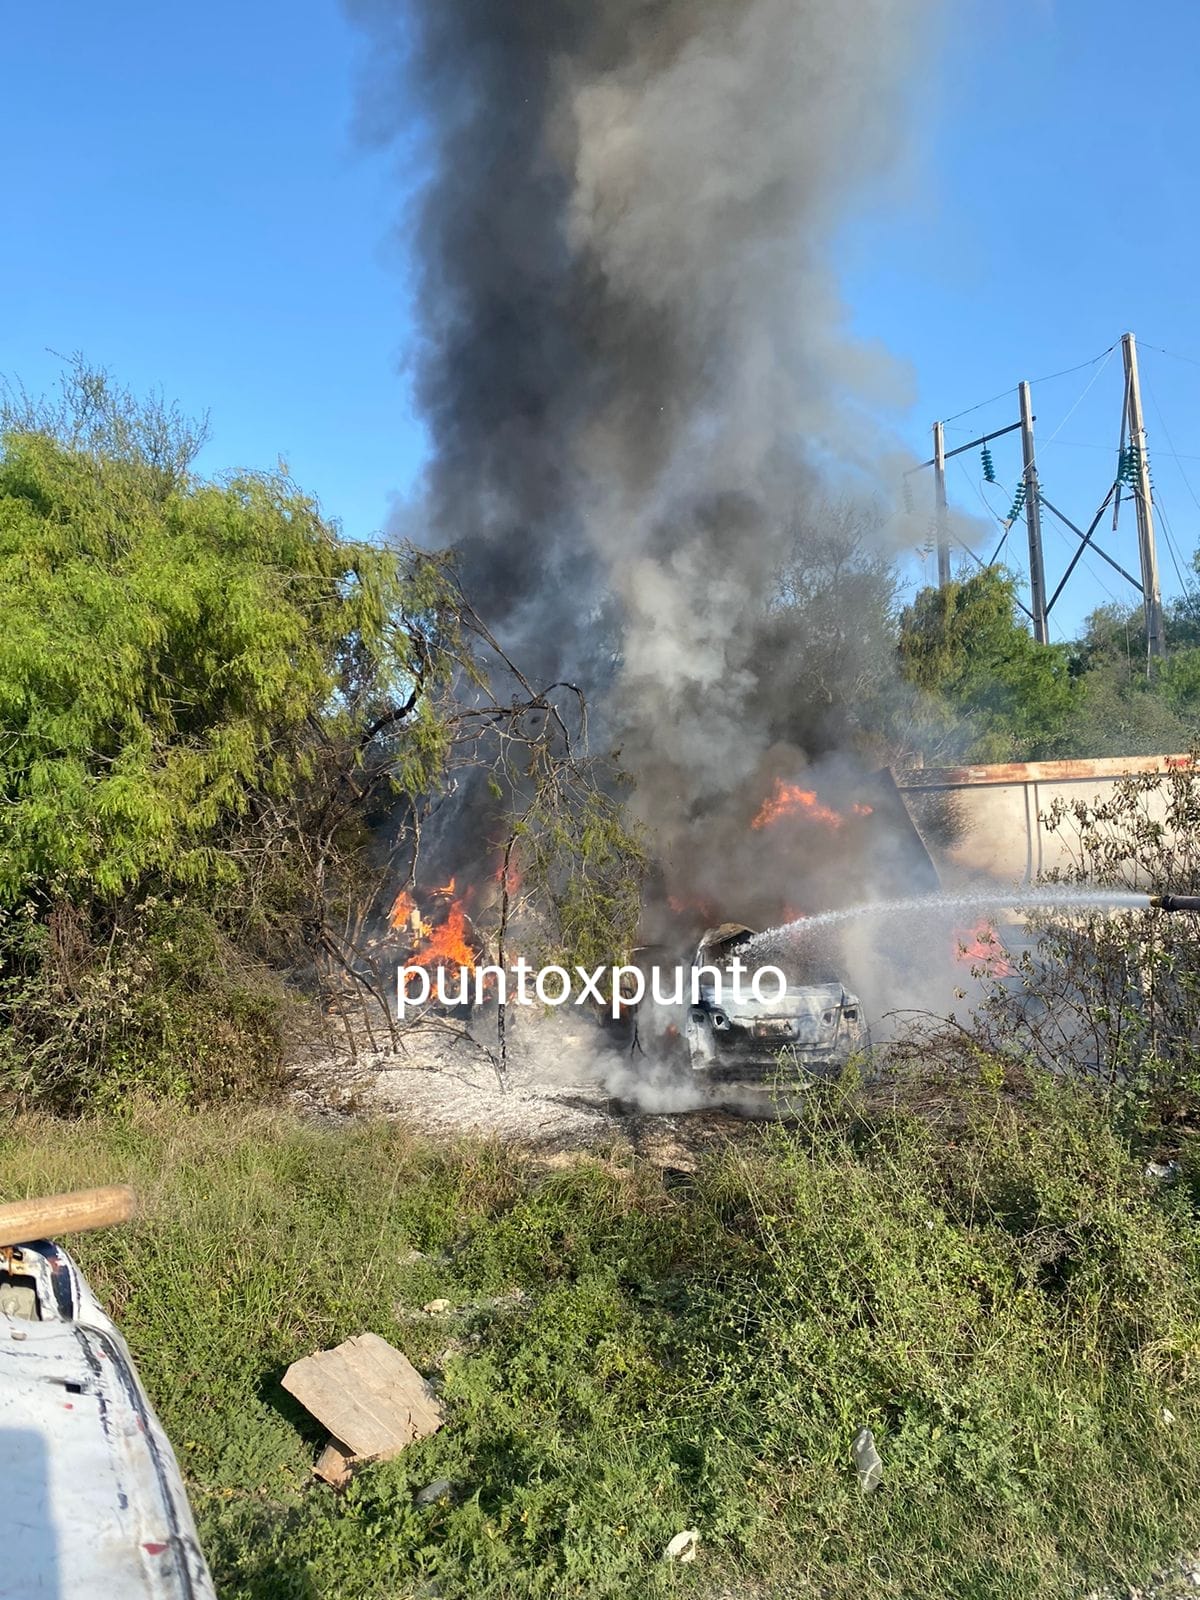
<point>208,699</point>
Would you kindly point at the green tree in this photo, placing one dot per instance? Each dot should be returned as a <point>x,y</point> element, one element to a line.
<point>202,688</point>
<point>173,651</point>
<point>215,713</point>
<point>1127,706</point>
<point>1002,697</point>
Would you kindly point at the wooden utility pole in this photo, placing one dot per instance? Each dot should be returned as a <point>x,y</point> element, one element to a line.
<point>1033,522</point>
<point>1151,593</point>
<point>943,519</point>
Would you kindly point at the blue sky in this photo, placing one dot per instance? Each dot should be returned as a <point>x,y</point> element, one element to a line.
<point>187,204</point>
<point>1054,207</point>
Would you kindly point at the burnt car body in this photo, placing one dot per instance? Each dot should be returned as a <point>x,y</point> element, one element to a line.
<point>811,1030</point>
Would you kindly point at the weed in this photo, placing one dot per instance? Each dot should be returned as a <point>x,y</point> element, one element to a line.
<point>1013,1310</point>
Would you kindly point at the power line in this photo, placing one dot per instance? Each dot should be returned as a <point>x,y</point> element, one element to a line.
<point>1162,511</point>
<point>1067,371</point>
<point>1157,494</point>
<point>1171,445</point>
<point>1083,396</point>
<point>1174,354</point>
<point>980,406</point>
<point>1132,469</point>
<point>1048,378</point>
<point>1085,444</point>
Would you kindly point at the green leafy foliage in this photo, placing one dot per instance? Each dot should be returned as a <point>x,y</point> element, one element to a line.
<point>584,863</point>
<point>216,715</point>
<point>1113,996</point>
<point>203,691</point>
<point>1013,1311</point>
<point>168,646</point>
<point>1129,706</point>
<point>1006,697</point>
<point>165,1005</point>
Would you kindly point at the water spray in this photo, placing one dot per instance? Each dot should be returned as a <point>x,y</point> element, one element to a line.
<point>1050,897</point>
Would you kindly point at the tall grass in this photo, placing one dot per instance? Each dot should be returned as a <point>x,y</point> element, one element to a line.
<point>1014,1309</point>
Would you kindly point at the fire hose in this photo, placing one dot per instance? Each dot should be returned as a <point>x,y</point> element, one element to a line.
<point>1176,902</point>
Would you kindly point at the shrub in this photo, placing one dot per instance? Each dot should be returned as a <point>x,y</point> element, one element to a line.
<point>1111,994</point>
<point>165,1005</point>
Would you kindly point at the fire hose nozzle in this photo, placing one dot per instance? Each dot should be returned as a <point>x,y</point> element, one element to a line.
<point>1176,902</point>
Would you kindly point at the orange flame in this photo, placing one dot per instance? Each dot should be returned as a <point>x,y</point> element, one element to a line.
<point>980,947</point>
<point>791,800</point>
<point>404,914</point>
<point>447,944</point>
<point>437,944</point>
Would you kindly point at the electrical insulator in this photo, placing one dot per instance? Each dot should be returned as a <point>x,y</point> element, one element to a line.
<point>989,470</point>
<point>906,489</point>
<point>1018,505</point>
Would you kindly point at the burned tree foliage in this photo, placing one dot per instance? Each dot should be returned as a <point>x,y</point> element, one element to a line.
<point>524,833</point>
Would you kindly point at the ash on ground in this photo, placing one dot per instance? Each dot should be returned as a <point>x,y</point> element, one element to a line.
<point>564,1083</point>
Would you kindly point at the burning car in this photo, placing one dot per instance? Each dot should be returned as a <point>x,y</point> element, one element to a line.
<point>813,1028</point>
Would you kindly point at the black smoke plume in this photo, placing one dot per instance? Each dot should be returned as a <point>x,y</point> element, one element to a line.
<point>631,354</point>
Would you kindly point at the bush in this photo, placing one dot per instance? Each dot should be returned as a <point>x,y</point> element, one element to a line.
<point>223,726</point>
<point>1113,994</point>
<point>204,689</point>
<point>174,655</point>
<point>165,1005</point>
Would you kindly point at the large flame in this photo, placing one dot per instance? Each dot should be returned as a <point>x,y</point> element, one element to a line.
<point>405,917</point>
<point>448,944</point>
<point>790,800</point>
<point>438,943</point>
<point>981,947</point>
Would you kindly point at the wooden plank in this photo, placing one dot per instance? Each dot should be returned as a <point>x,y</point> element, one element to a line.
<point>367,1394</point>
<point>335,1465</point>
<point>22,1221</point>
